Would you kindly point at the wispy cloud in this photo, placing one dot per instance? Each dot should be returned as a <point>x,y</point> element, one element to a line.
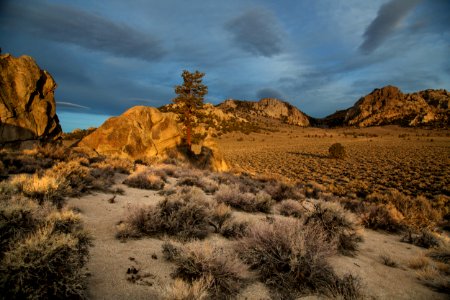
<point>66,24</point>
<point>257,31</point>
<point>62,104</point>
<point>388,18</point>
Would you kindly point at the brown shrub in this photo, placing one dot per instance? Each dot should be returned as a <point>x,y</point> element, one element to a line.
<point>199,260</point>
<point>185,215</point>
<point>41,188</point>
<point>248,202</point>
<point>424,239</point>
<point>290,208</point>
<point>77,177</point>
<point>338,225</point>
<point>145,178</point>
<point>292,259</point>
<point>384,217</point>
<point>281,191</point>
<point>48,262</point>
<point>182,290</point>
<point>234,229</point>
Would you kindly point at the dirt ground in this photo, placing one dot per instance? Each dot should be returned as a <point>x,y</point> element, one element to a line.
<point>110,258</point>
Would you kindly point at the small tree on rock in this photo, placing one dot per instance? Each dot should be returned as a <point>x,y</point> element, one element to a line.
<point>189,102</point>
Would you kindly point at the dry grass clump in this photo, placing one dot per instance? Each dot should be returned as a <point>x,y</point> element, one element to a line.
<point>77,176</point>
<point>220,214</point>
<point>43,252</point>
<point>290,208</point>
<point>117,164</point>
<point>182,290</point>
<point>222,269</point>
<point>146,178</point>
<point>291,258</point>
<point>388,261</point>
<point>337,224</point>
<point>41,188</point>
<point>249,202</point>
<point>185,215</point>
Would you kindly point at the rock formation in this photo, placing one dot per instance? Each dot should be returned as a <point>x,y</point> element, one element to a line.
<point>27,104</point>
<point>269,108</point>
<point>145,132</point>
<point>389,105</point>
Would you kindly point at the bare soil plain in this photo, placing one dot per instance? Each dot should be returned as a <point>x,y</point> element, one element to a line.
<point>412,161</point>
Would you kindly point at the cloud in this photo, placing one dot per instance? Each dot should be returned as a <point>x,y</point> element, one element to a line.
<point>63,105</point>
<point>257,31</point>
<point>389,17</point>
<point>269,93</point>
<point>67,24</point>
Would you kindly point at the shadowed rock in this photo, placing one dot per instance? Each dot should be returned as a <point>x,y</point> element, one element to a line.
<point>27,104</point>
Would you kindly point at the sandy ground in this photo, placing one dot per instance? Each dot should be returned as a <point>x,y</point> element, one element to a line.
<point>110,258</point>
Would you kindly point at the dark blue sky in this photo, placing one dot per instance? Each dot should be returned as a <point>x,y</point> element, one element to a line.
<point>321,56</point>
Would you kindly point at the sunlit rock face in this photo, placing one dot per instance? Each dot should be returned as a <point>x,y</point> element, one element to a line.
<point>145,132</point>
<point>267,107</point>
<point>389,105</point>
<point>27,104</point>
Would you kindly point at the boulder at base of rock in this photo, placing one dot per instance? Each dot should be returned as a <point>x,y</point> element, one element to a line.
<point>27,104</point>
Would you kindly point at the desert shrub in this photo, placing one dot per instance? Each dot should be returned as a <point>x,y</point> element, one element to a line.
<point>53,151</point>
<point>41,188</point>
<point>292,259</point>
<point>120,165</point>
<point>336,151</point>
<point>290,208</point>
<point>234,229</point>
<point>182,290</point>
<point>417,212</point>
<point>206,184</point>
<point>337,224</point>
<point>384,217</point>
<point>185,215</point>
<point>17,219</point>
<point>199,260</point>
<point>220,214</point>
<point>424,239</point>
<point>47,262</point>
<point>77,177</point>
<point>145,178</point>
<point>281,191</point>
<point>248,202</point>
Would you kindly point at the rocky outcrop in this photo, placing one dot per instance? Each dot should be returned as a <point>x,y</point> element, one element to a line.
<point>389,106</point>
<point>27,104</point>
<point>269,108</point>
<point>145,132</point>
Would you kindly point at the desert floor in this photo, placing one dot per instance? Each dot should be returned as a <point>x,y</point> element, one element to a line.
<point>412,161</point>
<point>111,258</point>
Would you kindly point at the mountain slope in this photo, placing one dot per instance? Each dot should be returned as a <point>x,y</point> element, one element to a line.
<point>388,106</point>
<point>266,108</point>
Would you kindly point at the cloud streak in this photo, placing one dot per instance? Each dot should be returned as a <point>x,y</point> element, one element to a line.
<point>62,104</point>
<point>257,32</point>
<point>66,24</point>
<point>388,18</point>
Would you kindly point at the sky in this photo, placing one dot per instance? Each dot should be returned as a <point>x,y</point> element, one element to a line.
<point>321,56</point>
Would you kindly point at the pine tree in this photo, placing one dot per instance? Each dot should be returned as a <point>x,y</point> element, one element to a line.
<point>189,102</point>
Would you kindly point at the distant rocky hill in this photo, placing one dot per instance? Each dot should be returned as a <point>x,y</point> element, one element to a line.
<point>389,106</point>
<point>27,104</point>
<point>266,108</point>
